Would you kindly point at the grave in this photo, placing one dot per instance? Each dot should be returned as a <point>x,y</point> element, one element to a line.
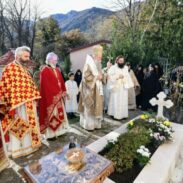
<point>163,161</point>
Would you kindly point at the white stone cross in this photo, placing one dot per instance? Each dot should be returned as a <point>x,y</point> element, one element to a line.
<point>161,103</point>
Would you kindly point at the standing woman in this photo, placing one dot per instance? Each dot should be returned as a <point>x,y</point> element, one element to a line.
<point>78,78</point>
<point>158,70</point>
<point>150,88</point>
<point>140,77</point>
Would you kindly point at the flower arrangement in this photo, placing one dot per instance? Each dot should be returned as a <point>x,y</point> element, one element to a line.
<point>135,147</point>
<point>160,130</point>
<point>143,155</point>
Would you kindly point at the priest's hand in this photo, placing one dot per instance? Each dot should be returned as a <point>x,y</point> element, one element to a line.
<point>64,94</point>
<point>99,77</point>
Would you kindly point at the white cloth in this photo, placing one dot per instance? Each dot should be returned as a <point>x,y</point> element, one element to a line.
<point>118,101</point>
<point>71,104</point>
<point>89,122</point>
<point>131,91</point>
<point>63,128</point>
<point>15,147</point>
<point>106,89</point>
<point>106,96</point>
<point>131,98</point>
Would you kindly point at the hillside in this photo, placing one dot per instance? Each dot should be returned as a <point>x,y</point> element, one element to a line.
<point>84,20</point>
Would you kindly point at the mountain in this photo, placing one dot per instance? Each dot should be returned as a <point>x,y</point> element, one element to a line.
<point>84,20</point>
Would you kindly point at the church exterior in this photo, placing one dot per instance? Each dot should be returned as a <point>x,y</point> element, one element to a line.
<point>78,55</point>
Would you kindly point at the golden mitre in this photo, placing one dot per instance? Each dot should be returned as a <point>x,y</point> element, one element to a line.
<point>97,50</point>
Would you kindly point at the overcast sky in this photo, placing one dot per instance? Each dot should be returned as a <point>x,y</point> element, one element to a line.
<point>64,6</point>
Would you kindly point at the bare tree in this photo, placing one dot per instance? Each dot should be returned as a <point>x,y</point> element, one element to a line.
<point>128,15</point>
<point>2,28</point>
<point>35,17</point>
<point>17,15</point>
<point>7,31</point>
<point>19,19</point>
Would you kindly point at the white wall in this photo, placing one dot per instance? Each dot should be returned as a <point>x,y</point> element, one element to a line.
<point>78,58</point>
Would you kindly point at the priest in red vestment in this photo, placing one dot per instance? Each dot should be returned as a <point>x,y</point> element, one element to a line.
<point>53,119</point>
<point>4,162</point>
<point>19,94</point>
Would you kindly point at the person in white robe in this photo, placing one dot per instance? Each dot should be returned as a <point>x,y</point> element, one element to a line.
<point>106,85</point>
<point>91,91</point>
<point>119,83</point>
<point>132,91</point>
<point>71,104</point>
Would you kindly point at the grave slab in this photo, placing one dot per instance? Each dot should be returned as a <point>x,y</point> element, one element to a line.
<point>162,162</point>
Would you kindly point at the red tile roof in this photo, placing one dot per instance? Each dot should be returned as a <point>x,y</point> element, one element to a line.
<point>10,57</point>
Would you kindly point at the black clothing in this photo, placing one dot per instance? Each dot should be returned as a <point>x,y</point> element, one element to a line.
<point>140,77</point>
<point>150,88</point>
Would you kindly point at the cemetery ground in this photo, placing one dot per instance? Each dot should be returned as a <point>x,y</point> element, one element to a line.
<point>11,175</point>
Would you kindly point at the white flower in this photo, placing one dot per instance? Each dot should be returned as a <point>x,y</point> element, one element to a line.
<point>162,126</point>
<point>146,154</point>
<point>152,120</point>
<point>156,136</point>
<point>112,140</point>
<point>161,138</point>
<point>147,150</point>
<point>144,151</point>
<point>140,151</point>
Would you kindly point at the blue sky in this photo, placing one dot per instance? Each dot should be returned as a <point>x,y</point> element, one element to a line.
<point>64,6</point>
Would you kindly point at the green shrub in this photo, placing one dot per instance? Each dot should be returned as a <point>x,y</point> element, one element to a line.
<point>124,151</point>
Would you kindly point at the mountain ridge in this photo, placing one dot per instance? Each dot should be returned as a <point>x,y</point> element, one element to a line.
<point>83,20</point>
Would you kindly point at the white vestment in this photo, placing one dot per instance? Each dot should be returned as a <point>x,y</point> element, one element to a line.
<point>87,121</point>
<point>118,101</point>
<point>16,147</point>
<point>106,89</point>
<point>71,104</point>
<point>131,91</point>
